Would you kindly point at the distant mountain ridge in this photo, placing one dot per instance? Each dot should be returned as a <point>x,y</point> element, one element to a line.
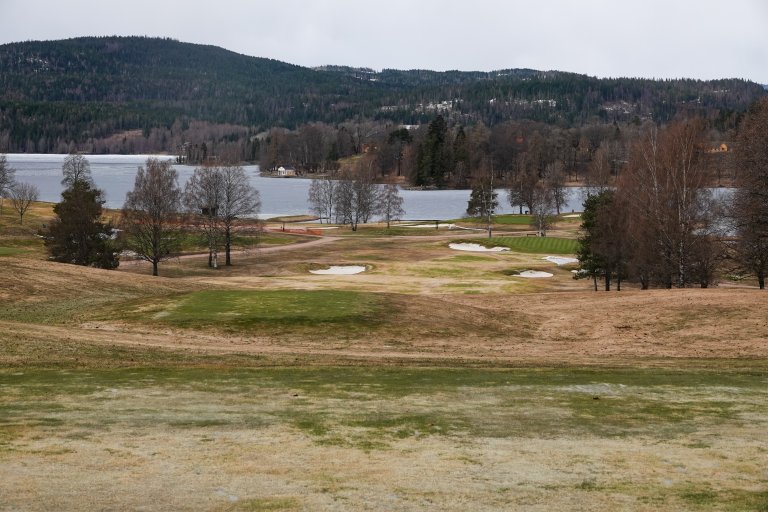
<point>74,90</point>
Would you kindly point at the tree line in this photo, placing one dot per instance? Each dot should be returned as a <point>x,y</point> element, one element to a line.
<point>353,199</point>
<point>659,224</point>
<point>156,218</point>
<point>74,94</point>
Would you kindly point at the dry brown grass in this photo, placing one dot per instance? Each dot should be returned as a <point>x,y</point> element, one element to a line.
<point>477,390</point>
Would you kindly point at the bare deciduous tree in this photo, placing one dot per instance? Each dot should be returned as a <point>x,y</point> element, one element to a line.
<point>151,211</point>
<point>239,200</point>
<point>76,168</point>
<point>322,198</point>
<point>22,197</point>
<point>521,189</point>
<point>598,177</point>
<point>357,199</point>
<point>669,205</point>
<point>202,199</point>
<point>391,203</point>
<point>750,205</point>
<point>554,179</point>
<point>6,179</point>
<point>541,204</point>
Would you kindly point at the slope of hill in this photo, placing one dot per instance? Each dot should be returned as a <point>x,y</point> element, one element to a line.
<point>56,92</point>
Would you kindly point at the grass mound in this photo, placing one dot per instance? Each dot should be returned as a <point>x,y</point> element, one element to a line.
<point>245,309</point>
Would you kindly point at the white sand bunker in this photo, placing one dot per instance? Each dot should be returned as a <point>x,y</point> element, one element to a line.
<point>340,270</point>
<point>476,248</point>
<point>428,226</point>
<point>561,260</point>
<point>534,274</point>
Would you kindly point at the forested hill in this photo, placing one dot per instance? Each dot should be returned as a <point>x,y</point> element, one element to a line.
<point>56,93</point>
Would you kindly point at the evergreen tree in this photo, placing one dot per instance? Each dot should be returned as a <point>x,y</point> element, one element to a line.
<point>77,234</point>
<point>483,200</point>
<point>591,263</point>
<point>435,156</point>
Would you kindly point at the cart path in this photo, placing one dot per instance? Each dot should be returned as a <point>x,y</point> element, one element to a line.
<point>258,250</point>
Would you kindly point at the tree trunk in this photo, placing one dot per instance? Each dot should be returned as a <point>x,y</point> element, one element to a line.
<point>154,267</point>
<point>761,281</point>
<point>594,279</point>
<point>227,247</point>
<point>607,280</point>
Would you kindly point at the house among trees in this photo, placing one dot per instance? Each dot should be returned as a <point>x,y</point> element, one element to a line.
<point>286,172</point>
<point>722,148</point>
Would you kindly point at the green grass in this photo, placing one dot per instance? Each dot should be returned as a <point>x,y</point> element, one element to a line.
<point>394,230</point>
<point>534,244</point>
<point>514,220</point>
<point>247,309</point>
<point>268,239</point>
<point>508,220</point>
<point>11,251</point>
<point>471,258</point>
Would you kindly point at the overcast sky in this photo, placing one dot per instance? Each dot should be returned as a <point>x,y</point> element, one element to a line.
<point>650,38</point>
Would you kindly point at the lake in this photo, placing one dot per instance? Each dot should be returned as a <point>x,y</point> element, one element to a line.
<point>115,175</point>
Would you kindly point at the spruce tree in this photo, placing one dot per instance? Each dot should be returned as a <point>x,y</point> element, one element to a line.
<point>77,234</point>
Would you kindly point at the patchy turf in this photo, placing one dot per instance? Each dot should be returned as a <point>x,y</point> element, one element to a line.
<point>434,382</point>
<point>279,438</point>
<point>251,309</point>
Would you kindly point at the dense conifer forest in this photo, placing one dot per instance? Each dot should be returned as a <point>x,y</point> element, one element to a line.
<point>134,94</point>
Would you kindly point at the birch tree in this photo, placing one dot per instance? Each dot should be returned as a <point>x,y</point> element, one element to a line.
<point>22,197</point>
<point>239,200</point>
<point>322,198</point>
<point>151,212</point>
<point>203,195</point>
<point>391,203</point>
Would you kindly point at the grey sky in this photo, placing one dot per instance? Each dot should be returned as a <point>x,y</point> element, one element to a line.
<point>653,38</point>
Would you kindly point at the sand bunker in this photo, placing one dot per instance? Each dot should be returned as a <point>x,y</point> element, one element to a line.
<point>572,216</point>
<point>427,226</point>
<point>534,274</point>
<point>476,248</point>
<point>340,270</point>
<point>561,260</point>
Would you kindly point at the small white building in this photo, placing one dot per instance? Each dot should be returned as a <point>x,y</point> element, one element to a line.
<point>286,172</point>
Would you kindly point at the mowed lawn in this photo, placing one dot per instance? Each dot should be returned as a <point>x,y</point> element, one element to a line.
<point>533,244</point>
